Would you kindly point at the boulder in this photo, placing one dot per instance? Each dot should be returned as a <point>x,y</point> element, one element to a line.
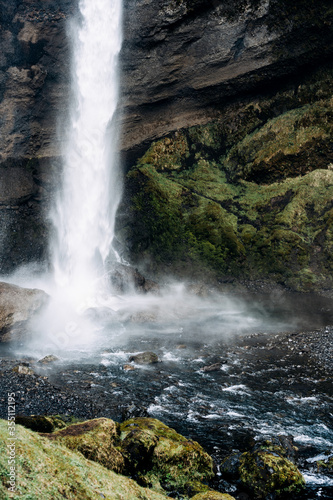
<point>212,495</point>
<point>51,471</point>
<point>50,358</point>
<point>126,279</point>
<point>18,306</point>
<point>95,439</point>
<point>264,471</point>
<point>144,358</point>
<point>41,423</point>
<point>23,370</point>
<point>325,466</point>
<point>163,459</point>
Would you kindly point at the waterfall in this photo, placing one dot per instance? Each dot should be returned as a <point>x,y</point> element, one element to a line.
<point>84,212</point>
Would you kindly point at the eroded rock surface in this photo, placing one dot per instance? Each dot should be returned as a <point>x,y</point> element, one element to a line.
<point>17,306</point>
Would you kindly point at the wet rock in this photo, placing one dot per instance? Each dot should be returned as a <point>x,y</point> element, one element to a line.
<point>144,317</point>
<point>48,359</point>
<point>128,368</point>
<point>41,423</point>
<point>264,472</point>
<point>126,279</point>
<point>52,471</point>
<point>144,358</point>
<point>230,466</point>
<point>212,368</point>
<point>95,439</point>
<point>326,465</point>
<point>213,495</point>
<point>18,306</point>
<point>162,458</point>
<point>23,370</point>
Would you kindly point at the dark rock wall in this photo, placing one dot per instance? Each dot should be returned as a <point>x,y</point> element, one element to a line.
<point>34,85</point>
<point>182,62</point>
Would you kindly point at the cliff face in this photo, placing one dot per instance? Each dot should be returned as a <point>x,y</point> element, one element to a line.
<point>34,76</point>
<point>184,60</point>
<point>182,63</point>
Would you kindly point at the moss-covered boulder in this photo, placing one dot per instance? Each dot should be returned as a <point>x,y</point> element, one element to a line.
<point>247,196</point>
<point>95,439</point>
<point>161,458</point>
<point>41,423</point>
<point>264,471</point>
<point>48,470</point>
<point>326,465</point>
<point>212,495</point>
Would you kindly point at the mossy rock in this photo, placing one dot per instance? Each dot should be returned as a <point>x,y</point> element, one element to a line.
<point>96,440</point>
<point>289,145</point>
<point>48,470</point>
<point>326,466</point>
<point>41,423</point>
<point>264,472</point>
<point>162,458</point>
<point>212,495</point>
<point>246,196</point>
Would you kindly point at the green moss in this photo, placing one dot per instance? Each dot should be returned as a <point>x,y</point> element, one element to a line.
<point>41,423</point>
<point>264,472</point>
<point>162,458</point>
<point>96,440</point>
<point>325,466</point>
<point>292,144</point>
<point>247,195</point>
<point>50,471</point>
<point>213,495</point>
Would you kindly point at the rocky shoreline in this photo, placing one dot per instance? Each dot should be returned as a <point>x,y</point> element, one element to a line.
<point>40,387</point>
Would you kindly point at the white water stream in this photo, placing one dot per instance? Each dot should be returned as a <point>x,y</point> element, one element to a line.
<point>86,204</point>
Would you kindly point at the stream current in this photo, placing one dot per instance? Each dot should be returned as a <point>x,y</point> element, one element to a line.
<point>231,371</point>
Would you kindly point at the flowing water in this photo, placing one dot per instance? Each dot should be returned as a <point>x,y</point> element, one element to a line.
<point>94,331</point>
<point>90,191</point>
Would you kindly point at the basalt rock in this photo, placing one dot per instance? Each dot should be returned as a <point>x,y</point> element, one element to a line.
<point>265,471</point>
<point>183,63</point>
<point>51,471</point>
<point>246,196</point>
<point>18,306</point>
<point>161,458</point>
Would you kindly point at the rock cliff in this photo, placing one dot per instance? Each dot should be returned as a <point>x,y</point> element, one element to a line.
<point>183,63</point>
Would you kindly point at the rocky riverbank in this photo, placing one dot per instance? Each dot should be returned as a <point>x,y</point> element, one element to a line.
<point>88,390</point>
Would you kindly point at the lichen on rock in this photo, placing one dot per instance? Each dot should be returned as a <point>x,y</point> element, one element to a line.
<point>161,458</point>
<point>95,439</point>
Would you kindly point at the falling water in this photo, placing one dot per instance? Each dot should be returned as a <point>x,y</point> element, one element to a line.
<point>87,201</point>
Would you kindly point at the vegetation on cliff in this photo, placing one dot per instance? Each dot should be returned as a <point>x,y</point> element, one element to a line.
<point>247,195</point>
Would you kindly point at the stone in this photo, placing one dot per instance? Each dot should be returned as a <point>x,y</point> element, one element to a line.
<point>162,458</point>
<point>212,368</point>
<point>23,370</point>
<point>213,495</point>
<point>128,368</point>
<point>95,439</point>
<point>265,472</point>
<point>18,306</point>
<point>51,470</point>
<point>126,279</point>
<point>144,358</point>
<point>50,358</point>
<point>41,423</point>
